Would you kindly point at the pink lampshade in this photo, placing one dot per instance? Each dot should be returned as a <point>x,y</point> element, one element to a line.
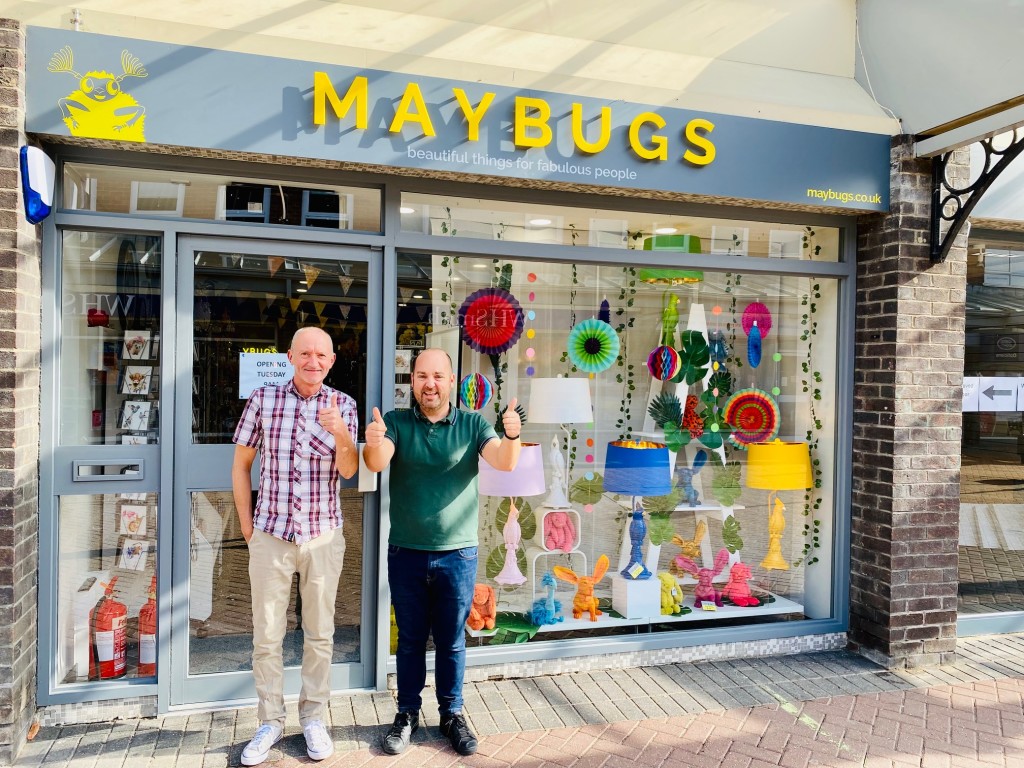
<point>527,479</point>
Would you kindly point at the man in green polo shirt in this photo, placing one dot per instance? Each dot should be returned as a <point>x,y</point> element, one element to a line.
<point>433,450</point>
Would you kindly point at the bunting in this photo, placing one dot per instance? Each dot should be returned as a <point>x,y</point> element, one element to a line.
<point>275,263</point>
<point>346,283</point>
<point>312,273</point>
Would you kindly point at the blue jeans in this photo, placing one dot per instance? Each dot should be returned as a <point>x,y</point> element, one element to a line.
<point>432,593</point>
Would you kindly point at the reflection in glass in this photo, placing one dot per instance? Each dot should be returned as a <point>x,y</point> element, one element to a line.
<point>106,576</point>
<point>220,599</point>
<point>991,562</point>
<point>144,192</point>
<point>248,308</point>
<point>110,338</point>
<point>777,381</point>
<point>563,225</point>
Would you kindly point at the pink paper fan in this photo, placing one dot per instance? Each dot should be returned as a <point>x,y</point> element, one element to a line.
<point>756,311</point>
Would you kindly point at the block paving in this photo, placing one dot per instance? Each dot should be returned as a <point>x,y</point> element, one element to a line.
<point>830,708</point>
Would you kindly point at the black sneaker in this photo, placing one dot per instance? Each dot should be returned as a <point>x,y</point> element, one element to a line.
<point>397,738</point>
<point>456,729</point>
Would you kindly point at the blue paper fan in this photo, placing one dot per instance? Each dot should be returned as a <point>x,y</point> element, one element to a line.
<point>754,346</point>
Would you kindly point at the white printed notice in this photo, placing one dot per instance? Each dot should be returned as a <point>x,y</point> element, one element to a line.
<point>258,368</point>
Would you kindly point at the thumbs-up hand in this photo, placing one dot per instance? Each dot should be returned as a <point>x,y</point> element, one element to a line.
<point>510,420</point>
<point>375,430</point>
<point>330,418</point>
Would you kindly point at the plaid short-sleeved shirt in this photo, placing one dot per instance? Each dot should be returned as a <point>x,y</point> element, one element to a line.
<point>298,495</point>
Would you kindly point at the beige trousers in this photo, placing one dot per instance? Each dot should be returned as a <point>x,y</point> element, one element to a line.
<point>272,564</point>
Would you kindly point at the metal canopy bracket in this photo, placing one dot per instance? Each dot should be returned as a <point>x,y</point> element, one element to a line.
<point>954,204</point>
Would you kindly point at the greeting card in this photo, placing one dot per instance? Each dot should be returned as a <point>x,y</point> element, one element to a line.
<point>136,380</point>
<point>136,345</point>
<point>133,554</point>
<point>133,519</point>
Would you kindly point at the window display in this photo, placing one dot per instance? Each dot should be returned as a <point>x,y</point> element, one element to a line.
<point>682,424</point>
<point>110,339</point>
<point>106,612</point>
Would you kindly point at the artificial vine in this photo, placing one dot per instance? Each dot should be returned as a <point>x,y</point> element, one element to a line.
<point>627,296</point>
<point>449,313</point>
<point>733,359</point>
<point>810,381</point>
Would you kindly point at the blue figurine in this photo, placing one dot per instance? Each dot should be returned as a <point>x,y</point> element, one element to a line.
<point>717,347</point>
<point>686,475</point>
<point>637,531</point>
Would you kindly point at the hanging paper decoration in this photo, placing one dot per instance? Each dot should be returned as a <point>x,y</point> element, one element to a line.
<point>664,363</point>
<point>753,415</point>
<point>605,314</point>
<point>593,346</point>
<point>491,321</point>
<point>754,346</point>
<point>346,283</point>
<point>757,314</point>
<point>311,272</point>
<point>274,263</point>
<point>475,391</point>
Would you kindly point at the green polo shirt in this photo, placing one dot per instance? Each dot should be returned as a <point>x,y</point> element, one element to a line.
<point>433,483</point>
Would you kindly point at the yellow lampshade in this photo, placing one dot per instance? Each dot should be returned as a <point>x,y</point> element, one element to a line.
<point>779,466</point>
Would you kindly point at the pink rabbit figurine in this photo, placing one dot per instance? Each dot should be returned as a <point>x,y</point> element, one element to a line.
<point>705,591</point>
<point>559,532</point>
<point>737,589</point>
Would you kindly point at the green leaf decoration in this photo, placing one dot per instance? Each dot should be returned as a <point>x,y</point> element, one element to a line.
<point>694,356</point>
<point>676,438</point>
<point>527,520</point>
<point>659,528</point>
<point>731,535</point>
<point>658,504</point>
<point>518,623</point>
<point>712,440</point>
<point>585,491</point>
<point>725,483</point>
<point>666,409</point>
<point>495,561</point>
<point>722,381</point>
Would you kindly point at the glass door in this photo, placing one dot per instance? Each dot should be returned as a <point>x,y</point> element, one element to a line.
<point>248,299</point>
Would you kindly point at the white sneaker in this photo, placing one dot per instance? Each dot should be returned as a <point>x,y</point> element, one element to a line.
<point>256,751</point>
<point>318,743</point>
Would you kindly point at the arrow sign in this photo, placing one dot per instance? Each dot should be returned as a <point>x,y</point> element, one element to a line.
<point>992,393</point>
<point>1000,393</point>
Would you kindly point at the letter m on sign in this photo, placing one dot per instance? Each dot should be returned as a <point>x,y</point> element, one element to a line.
<point>357,93</point>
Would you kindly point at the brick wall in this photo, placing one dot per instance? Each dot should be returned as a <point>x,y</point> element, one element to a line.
<point>907,425</point>
<point>19,412</point>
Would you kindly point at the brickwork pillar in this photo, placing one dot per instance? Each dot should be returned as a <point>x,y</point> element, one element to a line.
<point>907,426</point>
<point>20,303</point>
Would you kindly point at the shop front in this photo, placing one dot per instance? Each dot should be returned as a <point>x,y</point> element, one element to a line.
<point>669,295</point>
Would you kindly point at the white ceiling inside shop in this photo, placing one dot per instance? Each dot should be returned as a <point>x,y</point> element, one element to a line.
<point>789,60</point>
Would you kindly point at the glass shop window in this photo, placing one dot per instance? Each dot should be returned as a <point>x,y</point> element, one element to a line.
<point>991,563</point>
<point>106,574</point>
<point>653,398</point>
<point>136,191</point>
<point>110,338</point>
<point>625,230</point>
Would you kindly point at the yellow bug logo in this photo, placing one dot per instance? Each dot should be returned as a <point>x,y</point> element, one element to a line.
<point>99,109</point>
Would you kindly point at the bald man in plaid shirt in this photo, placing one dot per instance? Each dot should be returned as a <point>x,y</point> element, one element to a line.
<point>306,434</point>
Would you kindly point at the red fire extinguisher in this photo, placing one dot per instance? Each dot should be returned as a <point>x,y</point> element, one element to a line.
<point>108,634</point>
<point>147,634</point>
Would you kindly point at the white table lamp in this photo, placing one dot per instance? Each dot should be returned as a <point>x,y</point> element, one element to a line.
<point>559,401</point>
